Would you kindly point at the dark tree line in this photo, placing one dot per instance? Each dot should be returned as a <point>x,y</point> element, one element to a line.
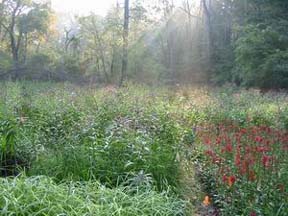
<point>211,41</point>
<point>250,42</point>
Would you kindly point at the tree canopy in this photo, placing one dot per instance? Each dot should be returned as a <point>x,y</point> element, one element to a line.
<point>242,42</point>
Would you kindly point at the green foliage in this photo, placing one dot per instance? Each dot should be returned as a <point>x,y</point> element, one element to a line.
<point>250,42</point>
<point>111,147</point>
<point>5,63</point>
<point>23,24</point>
<point>140,141</point>
<point>42,66</point>
<point>36,20</point>
<point>260,56</point>
<point>44,197</point>
<point>7,140</point>
<point>106,137</point>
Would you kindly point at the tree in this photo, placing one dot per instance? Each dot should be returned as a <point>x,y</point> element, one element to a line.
<point>125,42</point>
<point>22,18</point>
<point>100,40</point>
<point>92,30</point>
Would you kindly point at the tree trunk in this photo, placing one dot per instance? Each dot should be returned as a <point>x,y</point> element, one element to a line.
<point>97,39</point>
<point>189,28</point>
<point>125,43</point>
<point>15,42</point>
<point>1,18</point>
<point>25,48</point>
<point>207,14</point>
<point>112,66</point>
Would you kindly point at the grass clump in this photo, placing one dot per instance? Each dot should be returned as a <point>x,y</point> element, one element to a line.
<point>42,196</point>
<point>80,134</point>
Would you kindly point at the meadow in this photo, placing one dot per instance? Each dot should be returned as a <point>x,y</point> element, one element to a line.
<point>138,150</point>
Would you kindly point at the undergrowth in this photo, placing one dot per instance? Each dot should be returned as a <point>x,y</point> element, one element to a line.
<point>42,196</point>
<point>89,143</point>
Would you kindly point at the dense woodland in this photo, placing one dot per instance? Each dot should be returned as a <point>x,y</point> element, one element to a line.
<point>201,41</point>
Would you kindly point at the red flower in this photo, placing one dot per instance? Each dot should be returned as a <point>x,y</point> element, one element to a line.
<point>253,213</point>
<point>268,130</point>
<point>258,139</point>
<point>238,159</point>
<point>262,149</point>
<point>229,147</point>
<point>224,178</point>
<point>217,160</point>
<point>209,153</point>
<point>266,161</point>
<point>244,167</point>
<point>248,149</point>
<point>218,140</point>
<point>231,180</point>
<point>207,141</point>
<point>254,130</point>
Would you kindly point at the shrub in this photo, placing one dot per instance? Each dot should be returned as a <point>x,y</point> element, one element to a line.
<point>261,56</point>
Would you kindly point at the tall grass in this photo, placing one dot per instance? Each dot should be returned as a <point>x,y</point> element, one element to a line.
<point>77,134</point>
<point>72,133</point>
<point>41,196</point>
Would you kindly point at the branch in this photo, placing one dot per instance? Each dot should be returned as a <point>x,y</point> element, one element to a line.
<point>189,13</point>
<point>207,12</point>
<point>19,41</point>
<point>5,27</point>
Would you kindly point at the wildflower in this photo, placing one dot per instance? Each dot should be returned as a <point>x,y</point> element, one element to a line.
<point>237,135</point>
<point>217,160</point>
<point>258,139</point>
<point>252,175</point>
<point>268,130</point>
<point>253,213</point>
<point>231,180</point>
<point>238,159</point>
<point>218,140</point>
<point>248,149</point>
<point>250,160</point>
<point>207,141</point>
<point>262,149</point>
<point>238,138</point>
<point>243,131</point>
<point>229,147</point>
<point>243,168</point>
<point>206,201</point>
<point>266,160</point>
<point>210,153</point>
<point>224,178</point>
<point>254,130</point>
